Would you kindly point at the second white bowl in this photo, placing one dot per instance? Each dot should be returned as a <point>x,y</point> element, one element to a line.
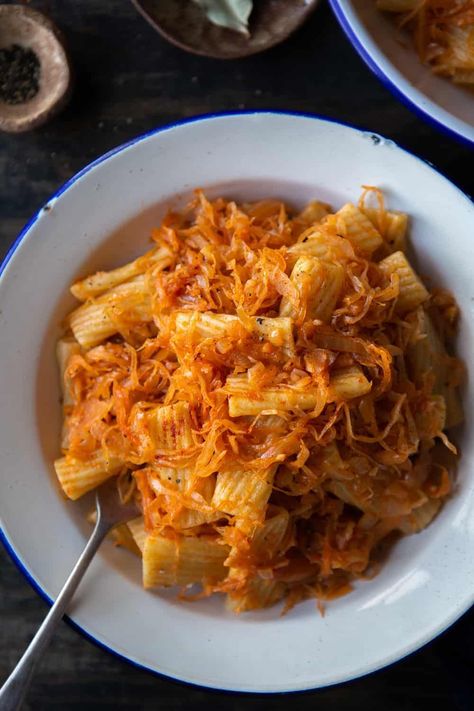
<point>447,106</point>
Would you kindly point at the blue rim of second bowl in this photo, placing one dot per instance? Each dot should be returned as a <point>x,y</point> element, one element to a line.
<point>389,83</point>
<point>8,545</point>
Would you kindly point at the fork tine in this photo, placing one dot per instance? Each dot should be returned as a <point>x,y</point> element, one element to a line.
<point>110,508</point>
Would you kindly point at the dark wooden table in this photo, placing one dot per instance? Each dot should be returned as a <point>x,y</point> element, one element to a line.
<point>130,80</point>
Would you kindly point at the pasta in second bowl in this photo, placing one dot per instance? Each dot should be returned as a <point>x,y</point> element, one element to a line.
<point>391,54</point>
<point>428,577</point>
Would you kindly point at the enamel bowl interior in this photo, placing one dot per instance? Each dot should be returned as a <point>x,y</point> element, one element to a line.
<point>390,54</point>
<point>102,218</point>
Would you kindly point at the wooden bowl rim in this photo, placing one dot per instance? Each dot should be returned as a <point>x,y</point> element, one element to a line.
<point>27,121</point>
<point>139,5</point>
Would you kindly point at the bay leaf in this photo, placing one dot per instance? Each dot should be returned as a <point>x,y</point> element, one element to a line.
<point>233,14</point>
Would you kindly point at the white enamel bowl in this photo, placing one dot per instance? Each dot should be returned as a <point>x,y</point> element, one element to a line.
<point>100,219</point>
<point>374,35</point>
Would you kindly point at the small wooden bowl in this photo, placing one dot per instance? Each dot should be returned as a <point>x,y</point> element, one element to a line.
<point>184,24</point>
<point>30,28</point>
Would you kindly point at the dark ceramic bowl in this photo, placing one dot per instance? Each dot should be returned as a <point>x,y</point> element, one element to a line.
<point>184,23</point>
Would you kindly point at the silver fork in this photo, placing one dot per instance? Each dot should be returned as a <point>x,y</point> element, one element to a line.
<point>110,513</point>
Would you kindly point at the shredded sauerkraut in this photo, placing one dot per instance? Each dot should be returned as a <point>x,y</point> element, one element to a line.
<point>443,34</point>
<point>273,387</point>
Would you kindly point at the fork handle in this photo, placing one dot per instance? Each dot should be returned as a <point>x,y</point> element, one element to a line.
<point>16,686</point>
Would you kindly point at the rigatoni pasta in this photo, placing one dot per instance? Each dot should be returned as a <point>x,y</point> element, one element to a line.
<point>271,387</point>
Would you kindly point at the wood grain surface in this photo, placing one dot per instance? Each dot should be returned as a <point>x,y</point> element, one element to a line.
<point>129,80</point>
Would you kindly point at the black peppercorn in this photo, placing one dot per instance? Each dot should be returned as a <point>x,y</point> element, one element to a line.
<point>19,74</point>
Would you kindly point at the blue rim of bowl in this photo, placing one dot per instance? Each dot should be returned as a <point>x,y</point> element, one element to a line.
<point>3,265</point>
<point>389,83</point>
